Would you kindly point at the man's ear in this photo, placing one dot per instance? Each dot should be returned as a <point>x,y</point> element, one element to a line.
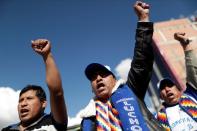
<point>161,96</point>
<point>44,104</point>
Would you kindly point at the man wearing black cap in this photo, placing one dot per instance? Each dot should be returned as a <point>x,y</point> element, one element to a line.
<point>169,92</point>
<point>179,110</point>
<point>118,105</point>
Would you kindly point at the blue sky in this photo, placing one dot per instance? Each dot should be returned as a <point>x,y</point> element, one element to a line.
<point>81,32</point>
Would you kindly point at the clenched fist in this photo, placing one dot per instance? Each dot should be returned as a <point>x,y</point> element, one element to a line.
<point>41,46</point>
<point>142,11</point>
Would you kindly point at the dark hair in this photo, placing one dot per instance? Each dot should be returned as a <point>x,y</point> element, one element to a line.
<point>40,93</point>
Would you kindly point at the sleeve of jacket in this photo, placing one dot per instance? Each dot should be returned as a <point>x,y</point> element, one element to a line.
<point>142,63</point>
<point>191,68</point>
<point>191,73</point>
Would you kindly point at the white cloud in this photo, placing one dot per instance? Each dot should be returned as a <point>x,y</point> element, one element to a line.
<point>8,102</point>
<point>122,68</point>
<point>89,110</point>
<point>75,120</point>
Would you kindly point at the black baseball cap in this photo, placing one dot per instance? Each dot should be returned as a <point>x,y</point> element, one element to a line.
<point>93,68</point>
<point>165,82</point>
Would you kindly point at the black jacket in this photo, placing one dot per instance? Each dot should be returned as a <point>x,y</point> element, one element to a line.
<point>141,70</point>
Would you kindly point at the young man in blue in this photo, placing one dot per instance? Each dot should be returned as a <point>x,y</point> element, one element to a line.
<point>119,105</point>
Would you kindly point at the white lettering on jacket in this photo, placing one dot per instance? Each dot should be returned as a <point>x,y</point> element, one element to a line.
<point>132,116</point>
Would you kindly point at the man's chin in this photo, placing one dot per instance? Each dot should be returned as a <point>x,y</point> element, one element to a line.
<point>103,96</point>
<point>173,102</point>
<point>25,119</point>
